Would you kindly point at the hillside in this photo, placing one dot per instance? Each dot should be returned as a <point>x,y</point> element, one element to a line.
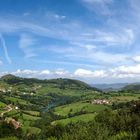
<point>15,80</point>
<point>132,87</point>
<point>110,87</point>
<point>62,90</point>
<point>12,79</point>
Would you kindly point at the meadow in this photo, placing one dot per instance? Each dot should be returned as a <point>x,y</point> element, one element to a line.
<point>77,107</point>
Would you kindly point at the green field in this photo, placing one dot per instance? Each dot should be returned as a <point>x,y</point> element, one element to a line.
<point>84,118</point>
<point>16,100</point>
<point>9,138</point>
<point>2,104</point>
<point>32,113</point>
<point>77,107</point>
<point>12,112</point>
<point>30,118</point>
<point>125,98</point>
<point>32,130</point>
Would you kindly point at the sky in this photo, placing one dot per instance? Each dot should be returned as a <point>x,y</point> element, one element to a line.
<point>97,41</point>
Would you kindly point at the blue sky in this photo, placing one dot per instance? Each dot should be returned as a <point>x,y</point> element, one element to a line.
<point>92,40</point>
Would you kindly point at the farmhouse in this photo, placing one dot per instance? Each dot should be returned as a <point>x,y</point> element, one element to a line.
<point>99,101</point>
<point>13,122</point>
<point>2,90</point>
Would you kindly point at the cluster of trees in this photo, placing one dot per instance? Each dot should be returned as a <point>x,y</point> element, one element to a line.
<point>120,124</point>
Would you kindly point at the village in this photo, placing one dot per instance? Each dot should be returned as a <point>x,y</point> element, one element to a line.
<point>100,101</point>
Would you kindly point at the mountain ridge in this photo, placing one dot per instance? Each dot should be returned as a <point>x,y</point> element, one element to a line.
<point>63,82</point>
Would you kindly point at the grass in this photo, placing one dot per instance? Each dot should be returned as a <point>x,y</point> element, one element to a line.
<point>12,112</point>
<point>125,98</point>
<point>29,117</point>
<point>26,117</point>
<point>2,104</point>
<point>9,138</point>
<point>77,107</point>
<point>67,91</point>
<point>32,113</point>
<point>32,130</point>
<point>84,118</point>
<point>16,100</point>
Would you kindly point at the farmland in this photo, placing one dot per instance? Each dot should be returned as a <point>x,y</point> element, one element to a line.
<point>39,108</point>
<point>77,107</point>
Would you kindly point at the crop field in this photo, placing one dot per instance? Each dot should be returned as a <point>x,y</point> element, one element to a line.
<point>15,100</point>
<point>32,113</point>
<point>83,117</point>
<point>77,107</point>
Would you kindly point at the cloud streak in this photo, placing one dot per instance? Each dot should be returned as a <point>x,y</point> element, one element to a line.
<point>3,45</point>
<point>26,42</point>
<point>98,6</point>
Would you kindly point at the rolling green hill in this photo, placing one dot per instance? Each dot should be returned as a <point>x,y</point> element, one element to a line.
<point>62,83</point>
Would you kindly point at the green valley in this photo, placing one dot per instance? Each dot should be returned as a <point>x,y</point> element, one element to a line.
<point>55,109</point>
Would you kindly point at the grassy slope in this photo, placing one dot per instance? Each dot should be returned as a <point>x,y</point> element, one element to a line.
<point>77,107</point>
<point>84,117</point>
<point>2,104</point>
<point>125,98</point>
<point>15,100</point>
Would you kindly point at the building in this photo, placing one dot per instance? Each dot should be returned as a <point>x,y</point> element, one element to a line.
<point>100,101</point>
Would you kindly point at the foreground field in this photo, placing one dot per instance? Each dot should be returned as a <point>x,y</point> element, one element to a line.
<point>79,107</point>
<point>84,118</point>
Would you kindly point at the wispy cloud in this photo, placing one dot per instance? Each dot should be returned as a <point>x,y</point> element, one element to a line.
<point>105,44</point>
<point>99,6</point>
<point>54,16</point>
<point>3,45</point>
<point>1,62</point>
<point>26,43</point>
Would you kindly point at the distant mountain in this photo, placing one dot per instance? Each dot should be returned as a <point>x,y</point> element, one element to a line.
<point>110,87</point>
<point>132,87</point>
